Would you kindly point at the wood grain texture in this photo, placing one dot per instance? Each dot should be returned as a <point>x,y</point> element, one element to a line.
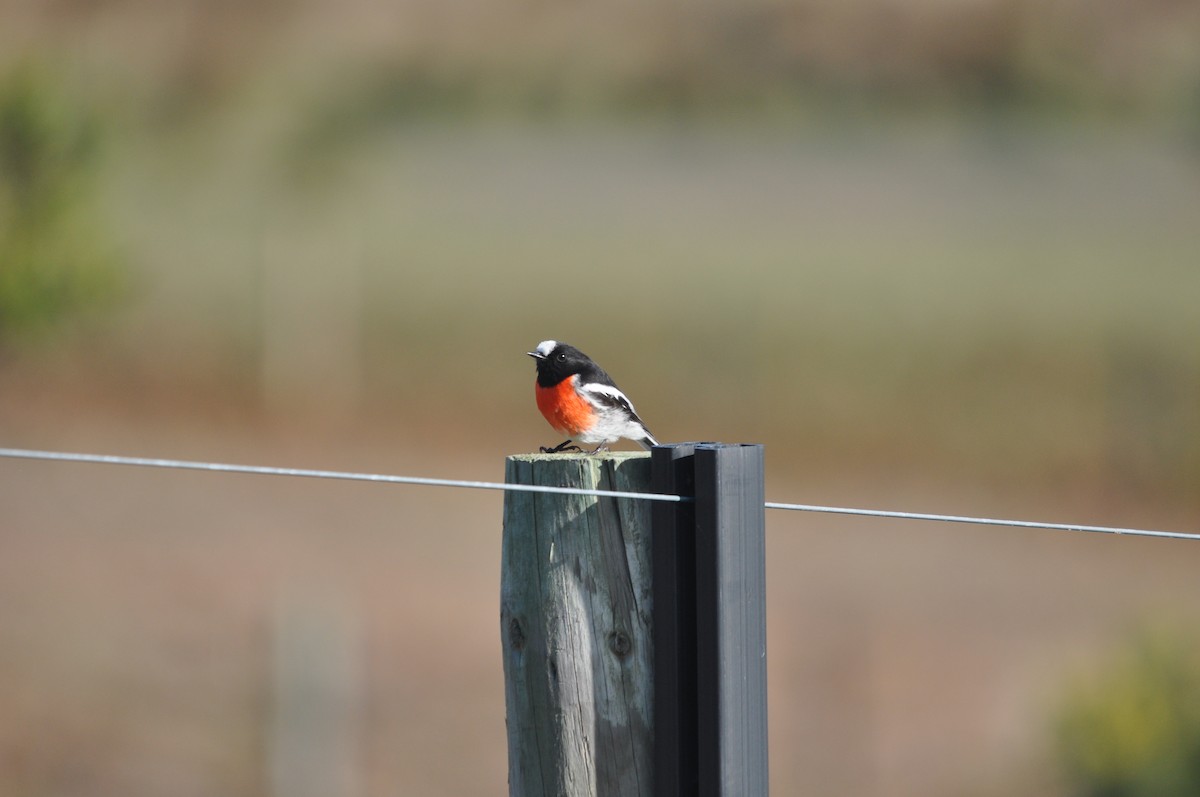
<point>575,620</point>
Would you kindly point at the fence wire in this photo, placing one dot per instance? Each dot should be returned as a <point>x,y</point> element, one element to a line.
<point>983,521</point>
<point>218,467</point>
<point>221,467</point>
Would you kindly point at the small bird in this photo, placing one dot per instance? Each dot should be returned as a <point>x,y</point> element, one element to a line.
<point>581,401</point>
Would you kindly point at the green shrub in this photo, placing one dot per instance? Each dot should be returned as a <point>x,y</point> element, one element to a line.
<point>55,256</point>
<point>1134,729</point>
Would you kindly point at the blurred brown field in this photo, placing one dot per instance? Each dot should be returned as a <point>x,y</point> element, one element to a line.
<point>936,256</point>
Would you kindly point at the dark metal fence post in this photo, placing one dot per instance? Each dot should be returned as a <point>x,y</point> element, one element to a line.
<point>673,583</point>
<point>710,622</point>
<point>731,628</point>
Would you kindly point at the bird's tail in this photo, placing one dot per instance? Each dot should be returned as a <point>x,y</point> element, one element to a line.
<point>648,441</point>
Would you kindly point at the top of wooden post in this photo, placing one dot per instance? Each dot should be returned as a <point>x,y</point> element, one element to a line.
<point>618,456</point>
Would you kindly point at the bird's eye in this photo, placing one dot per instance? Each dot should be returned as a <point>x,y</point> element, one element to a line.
<point>562,357</point>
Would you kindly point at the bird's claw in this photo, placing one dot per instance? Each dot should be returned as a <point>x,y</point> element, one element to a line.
<point>561,448</point>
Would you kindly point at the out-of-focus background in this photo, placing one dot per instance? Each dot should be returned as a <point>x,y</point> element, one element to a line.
<point>937,255</point>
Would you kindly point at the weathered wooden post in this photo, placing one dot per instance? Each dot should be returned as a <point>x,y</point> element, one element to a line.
<point>575,613</point>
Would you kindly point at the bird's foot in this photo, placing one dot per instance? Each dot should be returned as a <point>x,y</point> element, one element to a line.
<point>561,448</point>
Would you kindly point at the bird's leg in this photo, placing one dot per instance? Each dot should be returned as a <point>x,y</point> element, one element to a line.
<point>599,448</point>
<point>565,445</point>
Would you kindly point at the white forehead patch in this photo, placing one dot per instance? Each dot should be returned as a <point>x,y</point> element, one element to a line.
<point>545,347</point>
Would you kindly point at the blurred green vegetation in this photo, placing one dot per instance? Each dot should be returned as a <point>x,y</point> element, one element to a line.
<point>56,256</point>
<point>1133,729</point>
<point>860,63</point>
<point>363,63</point>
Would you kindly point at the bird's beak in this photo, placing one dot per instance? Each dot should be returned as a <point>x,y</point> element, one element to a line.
<point>537,355</point>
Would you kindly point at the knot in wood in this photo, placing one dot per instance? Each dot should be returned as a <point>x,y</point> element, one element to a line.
<point>516,634</point>
<point>619,643</point>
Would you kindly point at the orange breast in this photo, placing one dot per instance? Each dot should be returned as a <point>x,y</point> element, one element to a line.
<point>563,408</point>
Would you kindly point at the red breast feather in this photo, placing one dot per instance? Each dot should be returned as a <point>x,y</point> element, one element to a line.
<point>564,408</point>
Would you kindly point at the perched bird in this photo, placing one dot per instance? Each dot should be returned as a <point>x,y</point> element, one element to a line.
<point>582,402</point>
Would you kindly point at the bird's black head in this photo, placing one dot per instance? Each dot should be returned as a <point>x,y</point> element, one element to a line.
<point>556,361</point>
